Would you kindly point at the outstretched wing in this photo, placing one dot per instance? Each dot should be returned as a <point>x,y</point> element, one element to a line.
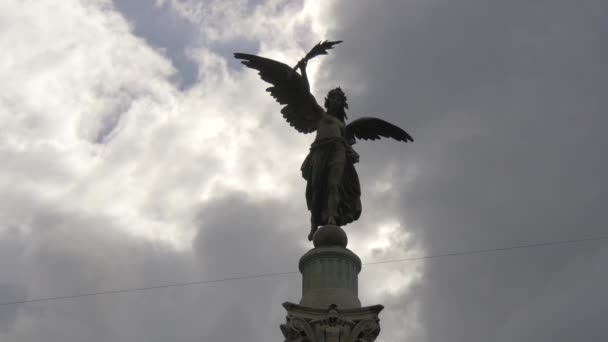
<point>288,88</point>
<point>373,128</point>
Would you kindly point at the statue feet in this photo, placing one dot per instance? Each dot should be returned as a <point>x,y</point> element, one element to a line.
<point>330,222</point>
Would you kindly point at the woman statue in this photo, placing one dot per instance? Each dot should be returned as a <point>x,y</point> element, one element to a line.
<point>333,193</point>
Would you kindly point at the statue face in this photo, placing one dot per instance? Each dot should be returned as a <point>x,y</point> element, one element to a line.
<point>334,101</point>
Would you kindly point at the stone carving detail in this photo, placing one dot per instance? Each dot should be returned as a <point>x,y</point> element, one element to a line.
<point>330,327</point>
<point>297,330</point>
<point>365,331</point>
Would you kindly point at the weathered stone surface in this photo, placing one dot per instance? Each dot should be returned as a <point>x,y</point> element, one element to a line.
<point>330,276</point>
<point>330,235</point>
<point>331,324</point>
<point>330,309</point>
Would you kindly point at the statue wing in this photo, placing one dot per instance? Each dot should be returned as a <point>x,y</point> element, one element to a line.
<point>373,128</point>
<point>290,89</point>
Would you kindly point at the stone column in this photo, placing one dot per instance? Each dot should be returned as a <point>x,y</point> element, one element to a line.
<point>330,310</point>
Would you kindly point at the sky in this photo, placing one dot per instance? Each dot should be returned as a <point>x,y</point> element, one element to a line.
<point>137,152</point>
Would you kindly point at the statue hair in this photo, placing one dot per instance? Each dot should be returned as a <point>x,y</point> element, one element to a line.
<point>342,110</point>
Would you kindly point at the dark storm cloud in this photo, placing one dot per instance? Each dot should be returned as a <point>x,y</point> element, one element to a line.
<point>63,252</point>
<point>239,236</point>
<point>506,104</point>
<point>10,289</point>
<point>53,257</point>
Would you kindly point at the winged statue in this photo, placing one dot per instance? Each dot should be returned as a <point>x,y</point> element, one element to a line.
<point>333,192</point>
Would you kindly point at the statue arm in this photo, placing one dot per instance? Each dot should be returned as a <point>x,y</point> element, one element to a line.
<point>352,155</point>
<point>302,64</point>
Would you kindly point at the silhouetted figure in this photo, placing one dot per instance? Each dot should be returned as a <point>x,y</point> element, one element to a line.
<point>333,193</point>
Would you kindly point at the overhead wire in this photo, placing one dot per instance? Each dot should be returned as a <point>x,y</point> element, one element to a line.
<point>426,257</point>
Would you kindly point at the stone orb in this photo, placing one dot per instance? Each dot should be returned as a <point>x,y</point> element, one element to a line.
<point>330,235</point>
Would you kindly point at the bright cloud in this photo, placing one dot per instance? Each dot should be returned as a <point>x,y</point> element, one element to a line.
<point>106,163</point>
<point>92,121</point>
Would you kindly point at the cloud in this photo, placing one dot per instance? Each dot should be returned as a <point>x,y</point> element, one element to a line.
<point>167,31</point>
<point>137,152</point>
<point>575,315</point>
<point>504,104</point>
<point>111,168</point>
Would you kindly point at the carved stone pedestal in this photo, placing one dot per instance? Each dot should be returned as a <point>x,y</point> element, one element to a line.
<point>330,310</point>
<point>305,324</point>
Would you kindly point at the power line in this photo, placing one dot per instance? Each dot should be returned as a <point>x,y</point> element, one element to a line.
<point>500,249</point>
<point>452,254</point>
<point>146,288</point>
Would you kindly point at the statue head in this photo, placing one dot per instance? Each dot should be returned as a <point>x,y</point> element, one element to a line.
<point>335,103</point>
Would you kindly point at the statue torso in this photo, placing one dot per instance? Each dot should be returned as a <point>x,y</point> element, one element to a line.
<point>329,127</point>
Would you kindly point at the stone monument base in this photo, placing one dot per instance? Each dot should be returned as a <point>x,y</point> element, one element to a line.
<point>330,310</point>
<point>306,324</point>
<point>329,271</point>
